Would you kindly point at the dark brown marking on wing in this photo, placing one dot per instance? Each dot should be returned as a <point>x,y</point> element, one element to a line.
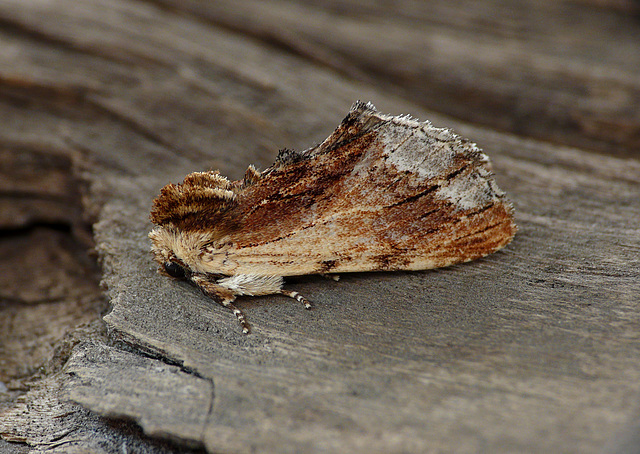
<point>458,171</point>
<point>278,205</point>
<point>392,261</point>
<point>479,210</point>
<point>413,198</point>
<point>328,265</point>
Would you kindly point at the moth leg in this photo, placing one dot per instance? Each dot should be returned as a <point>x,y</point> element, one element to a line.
<point>298,297</point>
<point>237,312</point>
<point>222,296</point>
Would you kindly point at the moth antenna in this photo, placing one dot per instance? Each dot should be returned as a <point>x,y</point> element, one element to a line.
<point>298,297</point>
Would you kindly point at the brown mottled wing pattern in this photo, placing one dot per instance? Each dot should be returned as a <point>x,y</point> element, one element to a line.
<point>381,193</point>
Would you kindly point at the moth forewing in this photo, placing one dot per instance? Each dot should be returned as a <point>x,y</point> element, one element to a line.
<point>381,193</point>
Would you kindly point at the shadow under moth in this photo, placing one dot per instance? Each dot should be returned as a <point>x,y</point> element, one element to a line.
<point>381,193</point>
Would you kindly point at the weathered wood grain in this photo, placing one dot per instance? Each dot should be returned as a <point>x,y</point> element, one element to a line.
<point>555,70</point>
<point>160,389</point>
<point>533,349</point>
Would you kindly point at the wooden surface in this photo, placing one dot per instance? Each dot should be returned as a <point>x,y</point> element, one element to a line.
<point>533,349</point>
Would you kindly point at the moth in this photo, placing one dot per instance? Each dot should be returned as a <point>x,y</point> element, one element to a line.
<point>381,193</point>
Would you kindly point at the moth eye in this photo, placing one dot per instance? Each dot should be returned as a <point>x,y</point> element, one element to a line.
<point>174,270</point>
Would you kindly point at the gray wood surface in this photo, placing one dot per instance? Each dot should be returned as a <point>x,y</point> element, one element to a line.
<point>533,349</point>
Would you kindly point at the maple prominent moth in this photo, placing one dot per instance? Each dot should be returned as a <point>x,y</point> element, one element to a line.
<point>381,193</point>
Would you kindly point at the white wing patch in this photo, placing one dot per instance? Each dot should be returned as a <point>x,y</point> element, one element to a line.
<point>473,190</point>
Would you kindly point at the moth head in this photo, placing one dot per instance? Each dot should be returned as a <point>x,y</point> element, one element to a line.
<point>181,254</point>
<point>168,251</point>
<point>184,241</point>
